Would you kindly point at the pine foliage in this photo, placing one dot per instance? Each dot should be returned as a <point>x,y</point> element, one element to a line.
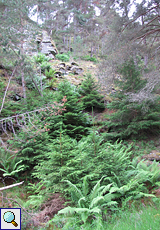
<point>91,97</point>
<point>55,169</point>
<point>74,122</point>
<point>72,160</point>
<point>132,118</point>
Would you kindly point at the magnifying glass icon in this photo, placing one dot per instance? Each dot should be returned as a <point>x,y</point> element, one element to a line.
<point>9,217</point>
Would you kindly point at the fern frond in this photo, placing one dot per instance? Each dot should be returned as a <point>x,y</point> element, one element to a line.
<point>85,186</point>
<point>67,210</point>
<point>95,210</point>
<point>110,203</point>
<point>74,187</point>
<point>95,201</point>
<point>17,164</point>
<point>111,196</point>
<point>105,189</point>
<point>80,201</point>
<point>94,192</point>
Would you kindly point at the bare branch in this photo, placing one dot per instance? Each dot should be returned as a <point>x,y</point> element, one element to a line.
<point>145,94</point>
<point>11,186</point>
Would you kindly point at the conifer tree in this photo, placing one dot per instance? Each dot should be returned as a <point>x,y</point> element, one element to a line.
<point>16,28</point>
<point>75,122</point>
<point>132,117</point>
<point>91,97</point>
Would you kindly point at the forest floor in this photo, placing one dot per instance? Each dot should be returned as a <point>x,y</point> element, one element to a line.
<point>35,218</point>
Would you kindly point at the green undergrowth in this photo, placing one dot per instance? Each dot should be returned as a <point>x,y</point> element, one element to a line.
<point>141,214</point>
<point>140,148</point>
<point>146,217</point>
<point>101,174</point>
<point>136,216</point>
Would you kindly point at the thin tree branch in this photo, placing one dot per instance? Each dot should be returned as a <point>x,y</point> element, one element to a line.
<point>31,215</point>
<point>148,33</point>
<point>154,39</point>
<point>5,147</point>
<point>7,88</point>
<point>40,93</point>
<point>139,16</point>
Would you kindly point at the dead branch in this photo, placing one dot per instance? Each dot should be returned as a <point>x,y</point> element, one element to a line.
<point>5,147</point>
<point>145,94</point>
<point>26,113</point>
<point>11,186</point>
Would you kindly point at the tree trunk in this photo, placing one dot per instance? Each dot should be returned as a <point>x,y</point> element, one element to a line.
<point>22,72</point>
<point>145,43</point>
<point>23,83</point>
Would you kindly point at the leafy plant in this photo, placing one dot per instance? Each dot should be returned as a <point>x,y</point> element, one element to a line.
<point>147,172</point>
<point>92,204</point>
<point>40,58</point>
<point>89,203</point>
<point>10,165</point>
<point>89,58</point>
<point>50,73</point>
<point>51,83</point>
<point>45,66</point>
<point>63,57</point>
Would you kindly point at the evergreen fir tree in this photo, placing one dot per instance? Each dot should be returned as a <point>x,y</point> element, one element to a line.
<point>55,169</point>
<point>74,122</point>
<point>91,97</point>
<point>132,118</point>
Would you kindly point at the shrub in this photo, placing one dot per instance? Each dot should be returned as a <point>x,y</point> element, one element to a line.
<point>39,58</point>
<point>89,58</point>
<point>63,57</point>
<point>45,66</point>
<point>50,73</point>
<point>71,160</point>
<point>33,152</point>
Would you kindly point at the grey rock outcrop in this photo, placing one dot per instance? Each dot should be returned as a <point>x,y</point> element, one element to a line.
<point>70,68</point>
<point>46,45</point>
<point>76,70</point>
